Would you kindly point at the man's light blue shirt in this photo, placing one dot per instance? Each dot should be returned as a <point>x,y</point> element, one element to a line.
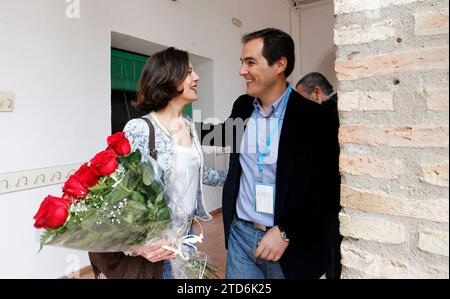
<point>250,174</point>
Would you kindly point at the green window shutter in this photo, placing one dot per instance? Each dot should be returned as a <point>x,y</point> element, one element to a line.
<point>126,69</point>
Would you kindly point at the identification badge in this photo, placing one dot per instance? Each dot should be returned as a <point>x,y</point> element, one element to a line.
<point>265,198</point>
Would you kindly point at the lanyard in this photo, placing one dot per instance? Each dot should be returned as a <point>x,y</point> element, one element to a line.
<point>263,154</point>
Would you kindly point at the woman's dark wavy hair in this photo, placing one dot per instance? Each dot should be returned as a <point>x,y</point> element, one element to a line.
<point>162,74</point>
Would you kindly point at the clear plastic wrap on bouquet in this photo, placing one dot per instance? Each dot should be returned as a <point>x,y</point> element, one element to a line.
<point>191,263</point>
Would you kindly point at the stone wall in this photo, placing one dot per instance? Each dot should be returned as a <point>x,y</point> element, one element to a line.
<point>392,66</point>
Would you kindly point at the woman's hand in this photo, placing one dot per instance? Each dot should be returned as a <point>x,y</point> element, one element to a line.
<point>155,251</point>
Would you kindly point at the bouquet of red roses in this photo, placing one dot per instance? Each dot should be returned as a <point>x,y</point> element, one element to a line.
<point>104,207</point>
<point>115,203</point>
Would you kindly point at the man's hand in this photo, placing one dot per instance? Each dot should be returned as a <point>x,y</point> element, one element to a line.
<point>271,247</point>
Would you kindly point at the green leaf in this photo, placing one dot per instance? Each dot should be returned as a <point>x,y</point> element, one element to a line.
<point>124,161</point>
<point>136,205</point>
<point>72,223</point>
<point>44,238</point>
<point>159,198</point>
<point>135,158</point>
<point>163,214</point>
<point>99,187</point>
<point>150,205</point>
<point>131,161</point>
<point>120,192</point>
<point>147,174</point>
<point>138,197</point>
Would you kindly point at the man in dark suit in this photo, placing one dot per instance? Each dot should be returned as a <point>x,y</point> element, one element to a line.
<point>277,199</point>
<point>315,87</point>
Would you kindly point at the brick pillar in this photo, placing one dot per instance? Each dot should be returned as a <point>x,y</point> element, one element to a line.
<point>392,66</point>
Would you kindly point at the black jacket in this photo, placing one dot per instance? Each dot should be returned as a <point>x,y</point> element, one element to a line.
<point>307,183</point>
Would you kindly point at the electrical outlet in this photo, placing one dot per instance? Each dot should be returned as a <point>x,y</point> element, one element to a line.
<point>6,101</point>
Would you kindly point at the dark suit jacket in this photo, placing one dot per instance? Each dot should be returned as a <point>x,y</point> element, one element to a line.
<point>307,195</point>
<point>335,239</point>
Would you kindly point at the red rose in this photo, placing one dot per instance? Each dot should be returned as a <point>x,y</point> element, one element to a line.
<point>119,144</point>
<point>52,213</point>
<point>104,163</point>
<point>86,176</point>
<point>75,187</point>
<point>67,198</point>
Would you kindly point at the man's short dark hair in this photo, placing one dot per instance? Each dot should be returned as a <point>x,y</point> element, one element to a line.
<point>313,79</point>
<point>160,78</point>
<point>277,44</point>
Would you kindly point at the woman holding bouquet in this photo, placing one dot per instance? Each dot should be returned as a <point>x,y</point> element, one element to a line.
<point>168,83</point>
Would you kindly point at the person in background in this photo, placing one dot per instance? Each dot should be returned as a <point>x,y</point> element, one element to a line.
<point>315,87</point>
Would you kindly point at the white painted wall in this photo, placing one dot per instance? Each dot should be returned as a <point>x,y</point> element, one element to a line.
<point>59,71</point>
<point>317,52</point>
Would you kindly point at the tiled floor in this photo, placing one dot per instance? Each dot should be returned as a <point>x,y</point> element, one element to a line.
<point>213,245</point>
